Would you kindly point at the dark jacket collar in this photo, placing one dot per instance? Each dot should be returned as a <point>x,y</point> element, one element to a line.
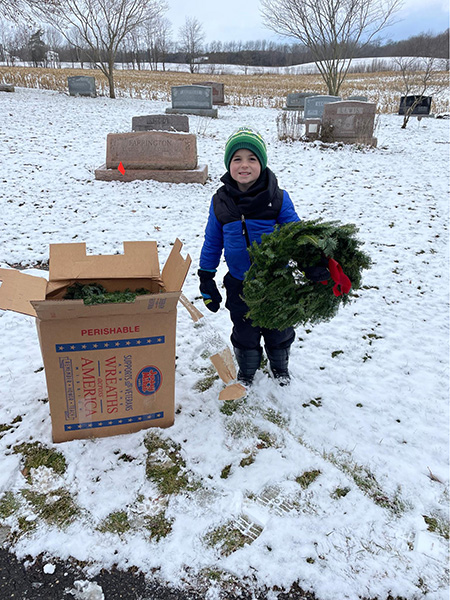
<point>259,196</point>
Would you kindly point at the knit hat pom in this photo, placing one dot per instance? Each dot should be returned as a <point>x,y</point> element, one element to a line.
<point>247,138</point>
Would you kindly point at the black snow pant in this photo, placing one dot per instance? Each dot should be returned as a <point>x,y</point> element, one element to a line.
<point>245,335</point>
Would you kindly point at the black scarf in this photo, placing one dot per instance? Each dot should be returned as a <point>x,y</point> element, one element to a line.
<point>258,197</point>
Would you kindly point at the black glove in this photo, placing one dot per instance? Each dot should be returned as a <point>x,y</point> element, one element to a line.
<point>209,291</point>
<point>319,273</point>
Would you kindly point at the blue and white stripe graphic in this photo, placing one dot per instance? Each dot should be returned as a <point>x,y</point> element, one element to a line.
<point>110,344</point>
<point>114,422</point>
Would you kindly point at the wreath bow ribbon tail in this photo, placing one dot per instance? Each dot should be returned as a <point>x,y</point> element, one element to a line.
<point>342,284</point>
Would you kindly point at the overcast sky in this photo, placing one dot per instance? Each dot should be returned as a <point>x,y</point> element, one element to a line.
<point>227,20</point>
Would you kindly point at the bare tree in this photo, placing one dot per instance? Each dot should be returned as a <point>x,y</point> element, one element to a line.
<point>18,10</point>
<point>421,77</point>
<point>14,41</point>
<point>101,25</point>
<point>157,41</point>
<point>333,30</point>
<point>191,40</point>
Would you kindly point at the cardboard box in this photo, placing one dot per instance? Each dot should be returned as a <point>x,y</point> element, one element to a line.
<point>110,368</point>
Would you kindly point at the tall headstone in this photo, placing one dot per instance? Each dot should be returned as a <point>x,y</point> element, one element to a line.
<point>82,85</point>
<point>218,91</point>
<point>423,106</point>
<point>314,105</point>
<point>192,100</point>
<point>158,155</point>
<point>350,122</point>
<point>296,100</point>
<point>160,123</point>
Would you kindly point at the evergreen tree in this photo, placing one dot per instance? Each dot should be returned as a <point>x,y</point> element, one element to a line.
<point>37,48</point>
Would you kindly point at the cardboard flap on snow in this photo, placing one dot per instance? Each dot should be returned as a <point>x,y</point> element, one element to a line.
<point>224,363</point>
<point>18,289</point>
<point>235,391</point>
<point>70,262</point>
<point>175,269</point>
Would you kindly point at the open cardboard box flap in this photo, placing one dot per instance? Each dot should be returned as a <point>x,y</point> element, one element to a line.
<point>17,289</point>
<point>176,268</point>
<point>69,262</point>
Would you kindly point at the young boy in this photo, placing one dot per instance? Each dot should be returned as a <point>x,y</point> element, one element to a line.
<point>249,204</point>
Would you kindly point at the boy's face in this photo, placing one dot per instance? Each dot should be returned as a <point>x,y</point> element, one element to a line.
<point>245,168</point>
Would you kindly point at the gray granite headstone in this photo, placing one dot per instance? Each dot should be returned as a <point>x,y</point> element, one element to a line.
<point>314,105</point>
<point>82,85</point>
<point>6,87</point>
<point>296,100</point>
<point>192,96</point>
<point>161,123</point>
<point>192,100</point>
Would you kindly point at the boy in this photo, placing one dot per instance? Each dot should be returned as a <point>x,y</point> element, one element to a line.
<point>249,204</point>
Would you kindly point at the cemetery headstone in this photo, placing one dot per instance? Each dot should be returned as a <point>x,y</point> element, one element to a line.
<point>422,108</point>
<point>296,100</point>
<point>218,91</point>
<point>312,128</point>
<point>192,100</point>
<point>82,85</point>
<point>359,98</point>
<point>350,122</point>
<point>6,87</point>
<point>160,123</point>
<point>158,155</point>
<point>314,105</point>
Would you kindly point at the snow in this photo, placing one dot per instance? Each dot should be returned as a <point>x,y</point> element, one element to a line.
<point>380,406</point>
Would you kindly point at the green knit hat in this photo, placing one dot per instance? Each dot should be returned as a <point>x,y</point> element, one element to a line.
<point>247,138</point>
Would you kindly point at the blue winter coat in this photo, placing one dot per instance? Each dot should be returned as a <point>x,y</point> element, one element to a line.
<point>237,219</point>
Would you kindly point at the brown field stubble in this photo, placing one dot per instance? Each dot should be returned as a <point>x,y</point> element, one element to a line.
<point>261,90</point>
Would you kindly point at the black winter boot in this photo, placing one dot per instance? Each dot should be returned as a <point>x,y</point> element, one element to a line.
<point>249,362</point>
<point>279,362</point>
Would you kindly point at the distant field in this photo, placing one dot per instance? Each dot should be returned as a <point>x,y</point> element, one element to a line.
<point>262,90</point>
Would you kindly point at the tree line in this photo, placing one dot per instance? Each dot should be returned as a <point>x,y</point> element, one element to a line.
<point>46,47</point>
<point>330,33</point>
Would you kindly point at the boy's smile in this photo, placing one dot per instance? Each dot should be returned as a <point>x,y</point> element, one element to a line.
<point>245,168</point>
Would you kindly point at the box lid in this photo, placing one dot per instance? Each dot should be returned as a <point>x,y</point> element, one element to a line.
<point>70,261</point>
<point>17,289</point>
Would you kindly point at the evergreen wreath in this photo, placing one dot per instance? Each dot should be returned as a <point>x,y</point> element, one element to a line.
<point>276,290</point>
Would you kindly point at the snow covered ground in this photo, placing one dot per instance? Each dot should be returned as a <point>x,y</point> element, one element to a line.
<point>339,482</point>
